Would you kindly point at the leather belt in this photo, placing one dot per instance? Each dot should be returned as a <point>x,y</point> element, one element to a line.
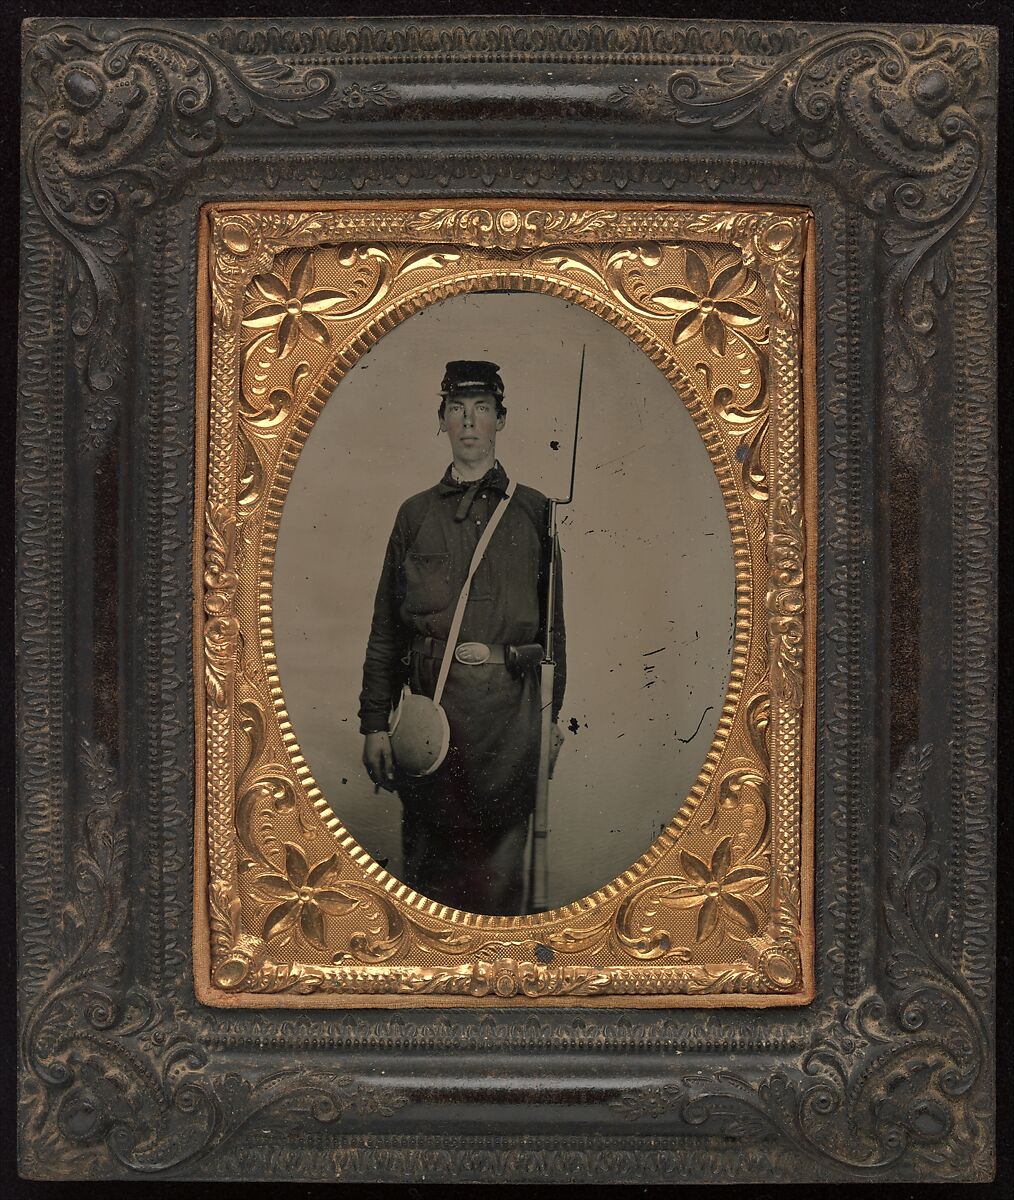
<point>469,654</point>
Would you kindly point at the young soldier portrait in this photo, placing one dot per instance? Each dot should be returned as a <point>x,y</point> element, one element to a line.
<point>465,825</point>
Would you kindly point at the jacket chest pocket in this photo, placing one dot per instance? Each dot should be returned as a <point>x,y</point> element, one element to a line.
<point>509,569</point>
<point>427,583</point>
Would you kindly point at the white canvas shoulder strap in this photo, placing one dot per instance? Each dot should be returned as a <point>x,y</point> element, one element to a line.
<point>459,612</point>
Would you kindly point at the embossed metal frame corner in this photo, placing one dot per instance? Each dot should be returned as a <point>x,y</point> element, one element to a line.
<point>744,829</point>
<point>886,134</point>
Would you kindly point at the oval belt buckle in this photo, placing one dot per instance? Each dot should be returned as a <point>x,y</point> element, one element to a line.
<point>472,654</point>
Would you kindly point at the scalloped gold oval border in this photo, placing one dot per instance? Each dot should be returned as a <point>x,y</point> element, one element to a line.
<point>300,427</point>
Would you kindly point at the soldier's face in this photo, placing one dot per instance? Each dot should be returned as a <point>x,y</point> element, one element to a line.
<point>471,423</point>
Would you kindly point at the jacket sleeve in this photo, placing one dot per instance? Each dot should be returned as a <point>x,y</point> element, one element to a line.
<point>384,669</point>
<point>559,642</point>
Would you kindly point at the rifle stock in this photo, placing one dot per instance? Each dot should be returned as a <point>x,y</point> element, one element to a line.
<point>540,821</point>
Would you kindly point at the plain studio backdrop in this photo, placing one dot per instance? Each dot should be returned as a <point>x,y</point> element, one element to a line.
<point>647,565</point>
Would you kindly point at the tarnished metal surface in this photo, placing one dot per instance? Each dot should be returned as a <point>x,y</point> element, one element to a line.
<point>885,134</point>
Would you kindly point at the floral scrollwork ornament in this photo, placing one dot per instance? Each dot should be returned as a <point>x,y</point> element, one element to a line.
<point>121,121</point>
<point>894,119</point>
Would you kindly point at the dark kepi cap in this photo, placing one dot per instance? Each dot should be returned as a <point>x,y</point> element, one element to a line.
<point>464,375</point>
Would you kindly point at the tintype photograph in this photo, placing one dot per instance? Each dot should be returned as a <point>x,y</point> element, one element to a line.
<point>408,462</point>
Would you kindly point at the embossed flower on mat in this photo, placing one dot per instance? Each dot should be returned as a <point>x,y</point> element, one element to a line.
<point>717,297</point>
<point>294,306</point>
<point>717,887</point>
<point>304,894</point>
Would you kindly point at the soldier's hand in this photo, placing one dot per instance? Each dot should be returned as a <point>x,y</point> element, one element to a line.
<point>556,740</point>
<point>378,759</point>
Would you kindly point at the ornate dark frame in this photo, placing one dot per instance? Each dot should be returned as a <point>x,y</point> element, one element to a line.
<point>886,134</point>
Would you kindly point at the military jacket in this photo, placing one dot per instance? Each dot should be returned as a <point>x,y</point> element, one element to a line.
<point>426,563</point>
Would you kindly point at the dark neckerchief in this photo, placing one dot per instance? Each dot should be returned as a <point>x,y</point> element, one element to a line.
<point>495,479</point>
